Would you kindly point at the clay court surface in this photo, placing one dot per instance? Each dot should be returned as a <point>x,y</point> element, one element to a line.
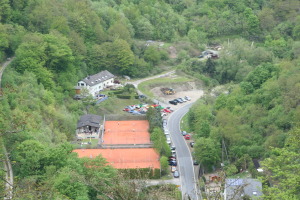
<point>126,132</point>
<point>124,158</point>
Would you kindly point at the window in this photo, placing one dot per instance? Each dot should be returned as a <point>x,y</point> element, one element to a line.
<point>82,84</point>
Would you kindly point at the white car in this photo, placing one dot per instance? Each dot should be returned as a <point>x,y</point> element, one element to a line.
<point>176,174</point>
<point>169,140</point>
<point>187,98</point>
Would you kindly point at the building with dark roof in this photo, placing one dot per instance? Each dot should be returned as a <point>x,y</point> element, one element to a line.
<point>95,83</point>
<point>236,189</point>
<point>89,126</point>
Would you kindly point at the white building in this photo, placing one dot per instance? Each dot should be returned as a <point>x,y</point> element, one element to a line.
<point>95,83</point>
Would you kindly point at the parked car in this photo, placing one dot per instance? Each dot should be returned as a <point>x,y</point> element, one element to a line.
<point>173,147</point>
<point>187,137</point>
<point>195,162</point>
<point>173,169</point>
<point>172,158</point>
<point>183,133</point>
<point>192,144</point>
<point>167,110</point>
<point>173,102</point>
<point>169,142</point>
<point>187,98</point>
<point>179,100</point>
<point>173,163</point>
<point>182,99</point>
<point>173,153</point>
<point>176,174</point>
<point>166,132</point>
<point>164,124</point>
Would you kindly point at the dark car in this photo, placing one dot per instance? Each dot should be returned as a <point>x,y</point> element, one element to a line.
<point>173,102</point>
<point>173,163</point>
<point>195,162</point>
<point>192,144</point>
<point>173,147</point>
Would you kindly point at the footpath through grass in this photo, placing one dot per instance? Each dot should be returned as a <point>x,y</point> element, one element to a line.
<point>146,86</point>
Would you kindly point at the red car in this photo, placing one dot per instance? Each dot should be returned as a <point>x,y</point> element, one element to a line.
<point>187,137</point>
<point>167,110</point>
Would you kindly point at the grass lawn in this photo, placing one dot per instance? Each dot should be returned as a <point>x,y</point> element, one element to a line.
<point>146,86</point>
<point>114,105</point>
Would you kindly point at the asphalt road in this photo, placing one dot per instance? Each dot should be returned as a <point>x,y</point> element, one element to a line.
<point>184,158</point>
<point>185,165</point>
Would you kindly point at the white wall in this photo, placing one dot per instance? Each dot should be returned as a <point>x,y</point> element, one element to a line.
<point>93,90</point>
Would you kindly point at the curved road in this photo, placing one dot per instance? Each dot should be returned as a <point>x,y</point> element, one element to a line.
<point>185,166</point>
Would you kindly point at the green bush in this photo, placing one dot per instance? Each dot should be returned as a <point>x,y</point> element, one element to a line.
<point>144,173</point>
<point>120,96</point>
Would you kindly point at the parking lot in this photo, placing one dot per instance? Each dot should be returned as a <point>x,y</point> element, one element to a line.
<point>190,92</point>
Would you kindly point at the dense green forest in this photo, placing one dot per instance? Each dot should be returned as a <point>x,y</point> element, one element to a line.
<point>55,43</point>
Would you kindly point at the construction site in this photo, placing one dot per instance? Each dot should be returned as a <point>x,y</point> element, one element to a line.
<point>167,91</point>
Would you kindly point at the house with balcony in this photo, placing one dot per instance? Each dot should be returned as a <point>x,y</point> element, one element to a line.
<point>89,126</point>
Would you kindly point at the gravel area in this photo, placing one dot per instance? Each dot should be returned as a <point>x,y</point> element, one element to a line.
<point>193,94</point>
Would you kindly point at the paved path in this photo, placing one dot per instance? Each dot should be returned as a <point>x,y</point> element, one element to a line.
<point>137,82</point>
<point>175,181</point>
<point>9,177</point>
<point>2,68</point>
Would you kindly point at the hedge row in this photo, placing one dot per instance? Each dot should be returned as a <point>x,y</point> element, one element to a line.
<point>120,96</point>
<point>144,173</point>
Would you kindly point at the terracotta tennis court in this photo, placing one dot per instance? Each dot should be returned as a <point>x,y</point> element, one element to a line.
<point>124,158</point>
<point>126,132</point>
